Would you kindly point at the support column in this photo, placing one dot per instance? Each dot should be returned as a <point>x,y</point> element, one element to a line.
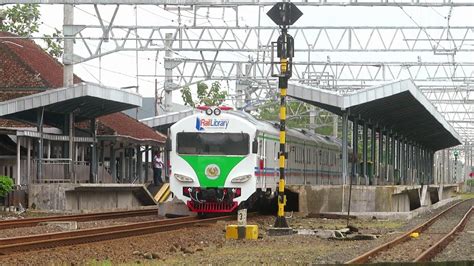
<point>334,125</point>
<point>147,162</point>
<point>372,154</point>
<point>122,165</point>
<point>387,150</point>
<point>39,118</point>
<point>345,161</point>
<point>93,159</point>
<point>380,161</point>
<point>100,177</point>
<point>71,148</point>
<point>355,142</point>
<point>48,149</point>
<point>364,153</point>
<point>18,162</point>
<point>168,86</point>
<point>139,164</point>
<point>112,161</point>
<point>399,158</point>
<point>450,174</point>
<point>392,157</point>
<point>28,161</point>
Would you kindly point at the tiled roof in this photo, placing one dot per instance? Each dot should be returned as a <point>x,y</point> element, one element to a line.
<point>26,69</point>
<point>25,58</point>
<point>127,127</point>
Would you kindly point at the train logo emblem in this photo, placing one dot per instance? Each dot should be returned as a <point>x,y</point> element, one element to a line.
<point>212,171</point>
<point>203,123</point>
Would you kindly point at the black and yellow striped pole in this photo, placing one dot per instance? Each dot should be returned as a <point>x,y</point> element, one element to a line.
<point>282,84</point>
<point>283,14</point>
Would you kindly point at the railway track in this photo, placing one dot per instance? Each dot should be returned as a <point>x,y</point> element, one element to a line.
<point>434,235</point>
<point>44,241</point>
<point>7,224</point>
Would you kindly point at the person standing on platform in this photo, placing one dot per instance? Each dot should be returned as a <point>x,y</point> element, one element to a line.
<point>157,169</point>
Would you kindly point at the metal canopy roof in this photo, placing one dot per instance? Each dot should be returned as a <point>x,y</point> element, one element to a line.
<point>398,106</point>
<point>163,121</point>
<point>86,100</point>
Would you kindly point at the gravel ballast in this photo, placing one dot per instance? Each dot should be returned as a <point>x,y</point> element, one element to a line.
<point>206,244</point>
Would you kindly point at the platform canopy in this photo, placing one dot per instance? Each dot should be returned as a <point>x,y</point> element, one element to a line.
<point>164,121</point>
<point>85,100</point>
<point>397,106</point>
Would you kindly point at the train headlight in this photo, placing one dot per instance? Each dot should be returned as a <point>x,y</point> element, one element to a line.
<point>241,179</point>
<point>183,178</point>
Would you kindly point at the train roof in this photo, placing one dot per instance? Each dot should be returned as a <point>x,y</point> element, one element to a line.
<point>274,129</point>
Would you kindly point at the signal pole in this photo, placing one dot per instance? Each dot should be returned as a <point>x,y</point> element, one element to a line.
<point>283,14</point>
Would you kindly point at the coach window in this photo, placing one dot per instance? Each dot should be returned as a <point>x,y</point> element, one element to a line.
<point>213,143</point>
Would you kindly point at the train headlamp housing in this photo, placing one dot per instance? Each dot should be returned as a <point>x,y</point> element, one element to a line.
<point>241,179</point>
<point>183,178</point>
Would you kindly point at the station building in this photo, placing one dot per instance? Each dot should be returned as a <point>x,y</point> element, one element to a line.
<point>53,136</point>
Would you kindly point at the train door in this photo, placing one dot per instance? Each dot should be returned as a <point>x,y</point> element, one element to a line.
<point>263,162</point>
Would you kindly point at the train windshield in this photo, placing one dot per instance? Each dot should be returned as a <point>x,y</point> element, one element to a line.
<point>213,143</point>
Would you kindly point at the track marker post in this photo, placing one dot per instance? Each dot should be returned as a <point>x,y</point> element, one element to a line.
<point>283,14</point>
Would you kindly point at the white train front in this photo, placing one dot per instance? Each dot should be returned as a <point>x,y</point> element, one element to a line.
<point>222,158</point>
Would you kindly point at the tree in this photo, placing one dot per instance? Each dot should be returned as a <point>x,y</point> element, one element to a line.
<point>205,96</point>
<point>6,184</point>
<point>24,20</point>
<point>297,115</point>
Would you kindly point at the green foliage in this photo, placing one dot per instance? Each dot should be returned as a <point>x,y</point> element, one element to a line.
<point>20,19</point>
<point>212,96</point>
<point>6,185</point>
<point>470,182</point>
<point>297,115</point>
<point>24,20</point>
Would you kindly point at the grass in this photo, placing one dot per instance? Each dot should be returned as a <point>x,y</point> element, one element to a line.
<point>467,195</point>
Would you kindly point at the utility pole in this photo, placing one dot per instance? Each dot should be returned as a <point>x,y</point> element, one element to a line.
<point>283,14</point>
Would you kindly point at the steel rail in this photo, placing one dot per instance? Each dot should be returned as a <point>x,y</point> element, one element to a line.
<point>78,218</point>
<point>25,243</point>
<point>443,242</point>
<point>364,258</point>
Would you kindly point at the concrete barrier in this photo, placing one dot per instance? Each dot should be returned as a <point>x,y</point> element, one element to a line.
<point>368,199</point>
<point>66,197</point>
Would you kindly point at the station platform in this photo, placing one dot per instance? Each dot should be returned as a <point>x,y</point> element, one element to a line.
<point>367,199</point>
<point>67,197</point>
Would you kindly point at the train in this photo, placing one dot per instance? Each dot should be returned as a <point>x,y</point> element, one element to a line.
<point>223,159</point>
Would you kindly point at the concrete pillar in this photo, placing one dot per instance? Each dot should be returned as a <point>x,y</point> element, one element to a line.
<point>112,161</point>
<point>387,152</point>
<point>147,161</point>
<point>71,148</point>
<point>82,151</point>
<point>122,165</point>
<point>139,164</point>
<point>355,139</point>
<point>39,169</point>
<point>334,125</point>
<point>398,157</point>
<point>312,118</point>
<point>18,162</point>
<point>364,153</point>
<point>345,133</point>
<point>93,158</point>
<point>28,161</point>
<point>168,72</point>
<point>392,157</point>
<point>450,174</point>
<point>380,161</point>
<point>100,177</point>
<point>372,153</point>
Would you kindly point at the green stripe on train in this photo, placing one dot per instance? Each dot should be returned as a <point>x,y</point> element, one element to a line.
<point>200,162</point>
